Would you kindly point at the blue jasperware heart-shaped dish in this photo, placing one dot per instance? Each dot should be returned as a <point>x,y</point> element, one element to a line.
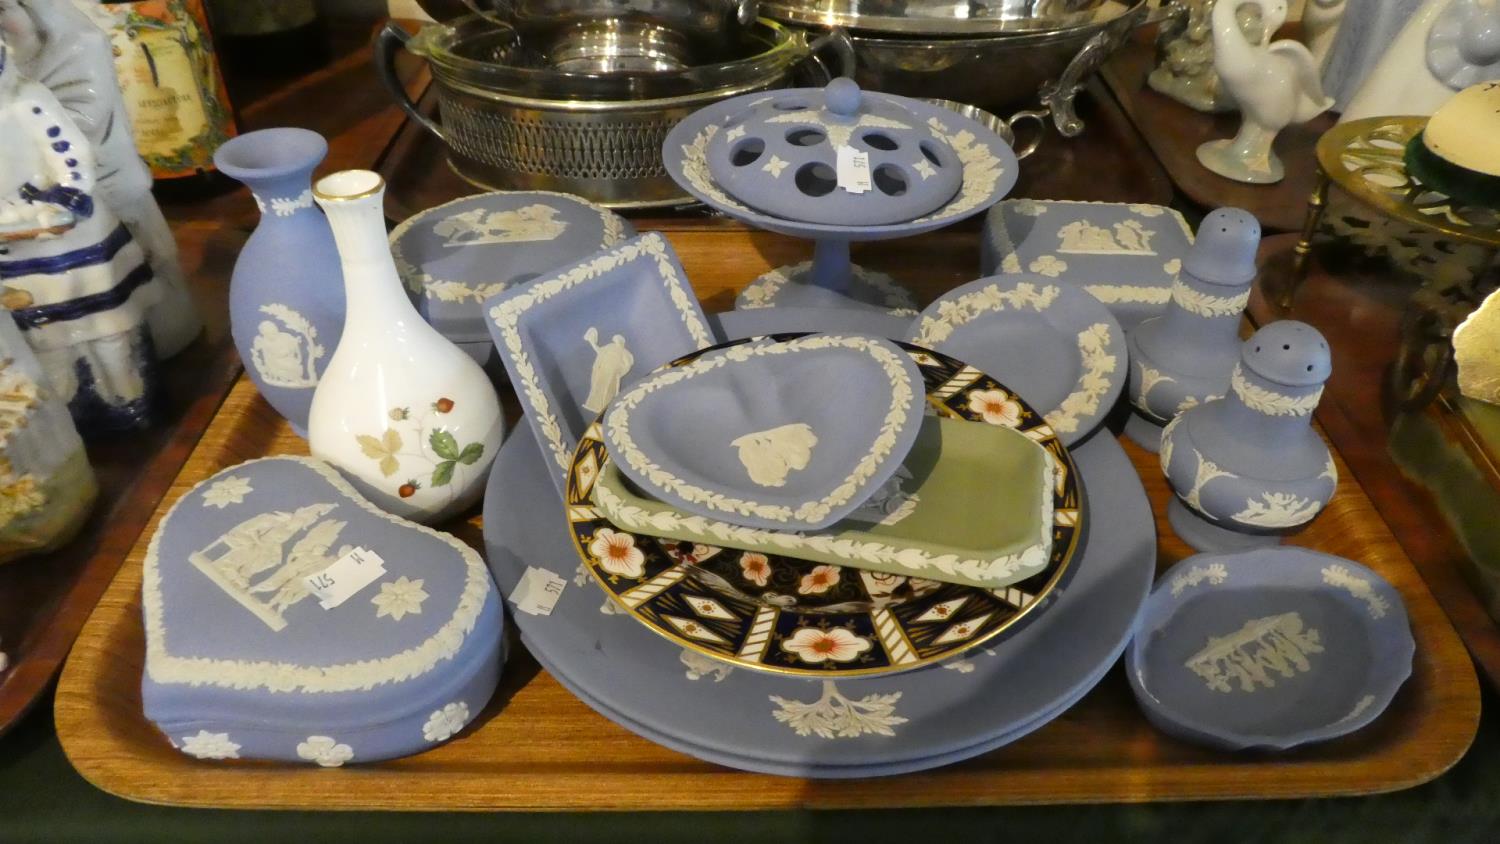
<point>243,659</point>
<point>782,433</point>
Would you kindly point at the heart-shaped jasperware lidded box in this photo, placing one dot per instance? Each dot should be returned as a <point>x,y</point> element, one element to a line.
<point>244,662</point>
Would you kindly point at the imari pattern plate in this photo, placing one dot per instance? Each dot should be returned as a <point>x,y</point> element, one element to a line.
<point>786,615</point>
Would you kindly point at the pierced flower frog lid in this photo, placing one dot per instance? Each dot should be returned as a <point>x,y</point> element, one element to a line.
<point>796,154</point>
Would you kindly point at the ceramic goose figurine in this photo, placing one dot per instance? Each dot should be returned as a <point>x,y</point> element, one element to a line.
<point>1276,85</point>
<point>1249,468</point>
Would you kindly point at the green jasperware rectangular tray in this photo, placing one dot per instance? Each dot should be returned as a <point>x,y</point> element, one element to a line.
<point>971,504</point>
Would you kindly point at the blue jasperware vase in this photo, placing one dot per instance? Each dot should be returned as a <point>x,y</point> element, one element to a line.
<point>286,298</point>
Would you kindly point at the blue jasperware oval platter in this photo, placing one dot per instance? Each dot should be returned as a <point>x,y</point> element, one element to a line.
<point>824,727</point>
<point>782,434</point>
<point>1269,649</point>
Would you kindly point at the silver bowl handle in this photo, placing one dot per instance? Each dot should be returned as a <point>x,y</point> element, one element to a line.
<point>835,41</point>
<point>390,39</point>
<point>1040,118</point>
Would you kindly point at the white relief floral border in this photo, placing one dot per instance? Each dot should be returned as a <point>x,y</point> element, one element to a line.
<point>907,559</point>
<point>761,292</point>
<point>1271,402</point>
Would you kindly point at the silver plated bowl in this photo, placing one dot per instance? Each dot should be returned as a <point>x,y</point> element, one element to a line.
<point>995,54</point>
<point>586,116</point>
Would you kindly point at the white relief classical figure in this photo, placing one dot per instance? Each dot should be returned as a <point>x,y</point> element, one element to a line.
<point>255,546</point>
<point>58,46</point>
<point>1255,655</point>
<point>1081,237</point>
<point>770,454</point>
<point>521,225</point>
<point>1276,85</point>
<point>276,355</point>
<point>612,362</point>
<point>286,354</point>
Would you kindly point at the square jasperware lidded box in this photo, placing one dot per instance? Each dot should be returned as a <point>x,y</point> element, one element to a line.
<point>243,660</point>
<point>1127,256</point>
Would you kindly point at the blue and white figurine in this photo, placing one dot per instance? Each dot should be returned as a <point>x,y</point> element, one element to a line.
<point>286,297</point>
<point>1248,468</point>
<point>75,280</point>
<point>1183,358</point>
<point>63,46</point>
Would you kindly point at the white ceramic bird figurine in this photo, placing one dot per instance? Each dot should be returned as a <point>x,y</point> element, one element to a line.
<point>1275,85</point>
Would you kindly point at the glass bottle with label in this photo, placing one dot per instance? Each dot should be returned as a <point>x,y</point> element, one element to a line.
<point>170,78</point>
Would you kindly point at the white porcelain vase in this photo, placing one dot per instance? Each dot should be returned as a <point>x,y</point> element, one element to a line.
<point>403,412</point>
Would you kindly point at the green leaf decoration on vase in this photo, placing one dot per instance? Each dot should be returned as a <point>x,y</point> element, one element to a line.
<point>444,445</point>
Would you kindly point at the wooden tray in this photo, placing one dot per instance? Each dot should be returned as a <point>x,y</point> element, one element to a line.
<point>1109,162</point>
<point>1359,308</point>
<point>1175,132</point>
<point>535,747</point>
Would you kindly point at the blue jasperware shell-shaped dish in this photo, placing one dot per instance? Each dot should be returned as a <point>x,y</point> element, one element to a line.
<point>1268,649</point>
<point>782,434</point>
<point>243,661</point>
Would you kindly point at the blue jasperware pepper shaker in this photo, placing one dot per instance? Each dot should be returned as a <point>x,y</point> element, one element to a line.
<point>1249,468</point>
<point>1183,358</point>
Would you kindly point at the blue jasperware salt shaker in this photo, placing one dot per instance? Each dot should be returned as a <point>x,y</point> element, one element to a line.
<point>1183,358</point>
<point>1249,468</point>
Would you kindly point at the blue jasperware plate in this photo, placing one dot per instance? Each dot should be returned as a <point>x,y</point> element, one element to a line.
<point>1052,343</point>
<point>242,661</point>
<point>1269,649</point>
<point>1126,256</point>
<point>572,339</point>
<point>822,727</point>
<point>794,433</point>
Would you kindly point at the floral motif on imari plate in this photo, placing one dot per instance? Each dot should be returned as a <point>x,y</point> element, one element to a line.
<point>775,612</point>
<point>416,451</point>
